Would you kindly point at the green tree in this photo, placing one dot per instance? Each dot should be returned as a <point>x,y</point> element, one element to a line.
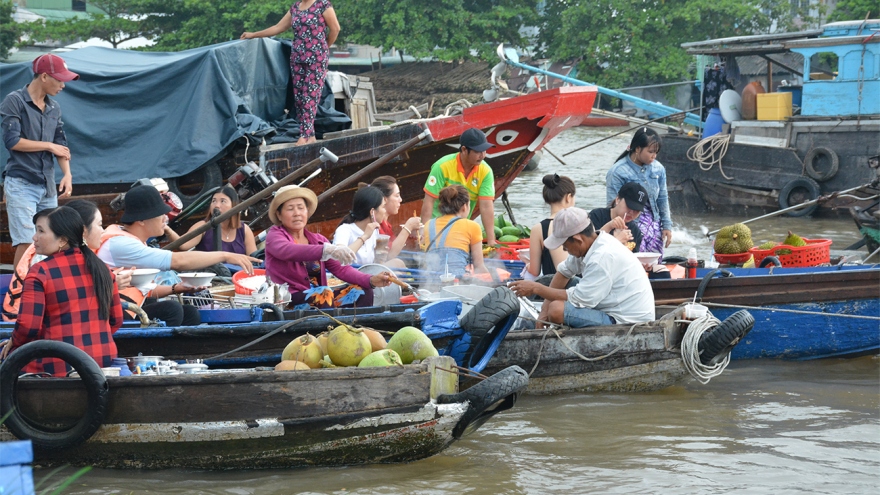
<point>10,31</point>
<point>446,29</point>
<point>630,42</point>
<point>855,10</point>
<point>121,20</point>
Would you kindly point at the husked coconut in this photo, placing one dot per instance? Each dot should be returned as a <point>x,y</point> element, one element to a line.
<point>347,346</point>
<point>289,365</point>
<point>411,344</point>
<point>377,341</point>
<point>384,357</point>
<point>293,348</point>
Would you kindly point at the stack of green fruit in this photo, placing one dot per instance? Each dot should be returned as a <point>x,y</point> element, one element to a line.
<point>507,231</point>
<point>733,239</point>
<point>792,240</point>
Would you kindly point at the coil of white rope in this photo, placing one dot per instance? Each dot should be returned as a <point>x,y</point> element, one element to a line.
<point>704,152</point>
<point>690,349</point>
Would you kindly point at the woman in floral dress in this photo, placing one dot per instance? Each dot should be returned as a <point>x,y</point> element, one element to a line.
<point>315,28</point>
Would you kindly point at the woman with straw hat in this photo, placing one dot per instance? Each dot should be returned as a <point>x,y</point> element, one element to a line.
<point>301,258</point>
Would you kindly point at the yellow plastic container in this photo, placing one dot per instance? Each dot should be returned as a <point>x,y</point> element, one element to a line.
<point>774,106</point>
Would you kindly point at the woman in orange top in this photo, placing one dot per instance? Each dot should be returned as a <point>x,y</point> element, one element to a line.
<point>452,240</point>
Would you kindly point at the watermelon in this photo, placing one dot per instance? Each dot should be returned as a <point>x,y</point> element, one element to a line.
<point>508,238</point>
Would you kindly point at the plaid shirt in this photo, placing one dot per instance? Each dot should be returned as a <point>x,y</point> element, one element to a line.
<point>59,303</point>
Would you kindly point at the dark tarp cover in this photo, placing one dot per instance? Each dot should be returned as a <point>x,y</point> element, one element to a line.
<point>141,114</point>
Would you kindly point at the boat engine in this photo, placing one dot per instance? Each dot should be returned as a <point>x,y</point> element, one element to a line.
<point>250,179</point>
<point>171,199</point>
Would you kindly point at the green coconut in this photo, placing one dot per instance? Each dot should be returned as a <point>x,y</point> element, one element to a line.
<point>411,344</point>
<point>347,346</point>
<point>385,357</point>
<point>290,365</point>
<point>293,348</point>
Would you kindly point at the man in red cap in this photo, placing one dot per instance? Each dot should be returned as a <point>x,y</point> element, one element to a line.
<point>33,133</point>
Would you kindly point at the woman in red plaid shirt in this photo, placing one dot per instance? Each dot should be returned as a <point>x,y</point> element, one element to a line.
<point>70,296</point>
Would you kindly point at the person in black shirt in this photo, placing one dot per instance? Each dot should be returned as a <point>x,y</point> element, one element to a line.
<point>620,218</point>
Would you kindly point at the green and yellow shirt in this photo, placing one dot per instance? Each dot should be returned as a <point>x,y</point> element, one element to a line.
<point>448,171</point>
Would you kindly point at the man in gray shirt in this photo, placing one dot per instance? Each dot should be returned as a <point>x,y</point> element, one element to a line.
<point>614,287</point>
<point>33,133</point>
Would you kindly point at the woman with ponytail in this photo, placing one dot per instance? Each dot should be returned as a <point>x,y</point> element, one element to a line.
<point>359,229</point>
<point>639,164</point>
<point>559,194</point>
<point>69,296</point>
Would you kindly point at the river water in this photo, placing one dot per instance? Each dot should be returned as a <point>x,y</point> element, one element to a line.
<point>762,427</point>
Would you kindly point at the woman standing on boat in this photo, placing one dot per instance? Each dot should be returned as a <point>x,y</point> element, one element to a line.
<point>237,237</point>
<point>559,194</point>
<point>315,29</point>
<point>70,296</point>
<point>639,164</point>
<point>301,258</point>
<point>452,240</point>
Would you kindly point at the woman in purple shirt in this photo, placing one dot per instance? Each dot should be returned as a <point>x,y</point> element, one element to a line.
<point>315,28</point>
<point>236,236</point>
<point>301,258</point>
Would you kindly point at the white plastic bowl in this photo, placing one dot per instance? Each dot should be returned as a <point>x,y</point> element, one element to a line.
<point>196,279</point>
<point>648,258</point>
<point>143,276</point>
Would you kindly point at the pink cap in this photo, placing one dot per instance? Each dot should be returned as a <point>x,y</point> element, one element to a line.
<point>55,67</point>
<point>568,222</point>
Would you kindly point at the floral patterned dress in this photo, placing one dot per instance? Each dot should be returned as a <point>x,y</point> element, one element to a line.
<point>308,61</point>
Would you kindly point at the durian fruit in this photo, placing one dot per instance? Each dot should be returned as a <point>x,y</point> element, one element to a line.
<point>794,240</point>
<point>767,245</point>
<point>783,251</point>
<point>733,239</point>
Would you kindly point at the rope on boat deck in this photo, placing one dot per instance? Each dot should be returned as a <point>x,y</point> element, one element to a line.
<point>704,152</point>
<point>690,349</point>
<point>796,311</point>
<point>552,328</point>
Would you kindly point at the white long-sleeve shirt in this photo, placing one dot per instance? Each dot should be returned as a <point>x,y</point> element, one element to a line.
<point>612,281</point>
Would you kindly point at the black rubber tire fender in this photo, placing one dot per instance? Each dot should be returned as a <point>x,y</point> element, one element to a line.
<point>96,387</point>
<point>497,310</point>
<point>715,344</point>
<point>770,260</point>
<point>502,386</point>
<point>812,192</point>
<point>210,178</point>
<point>534,162</point>
<point>708,277</point>
<point>810,163</point>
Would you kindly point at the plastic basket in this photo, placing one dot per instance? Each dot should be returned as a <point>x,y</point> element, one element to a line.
<point>816,252</point>
<point>732,259</point>
<point>241,275</point>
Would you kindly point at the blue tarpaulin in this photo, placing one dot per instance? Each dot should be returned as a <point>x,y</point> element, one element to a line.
<point>141,114</point>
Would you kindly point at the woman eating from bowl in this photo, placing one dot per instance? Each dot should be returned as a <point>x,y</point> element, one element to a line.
<point>236,236</point>
<point>388,185</point>
<point>69,296</point>
<point>452,240</point>
<point>359,230</point>
<point>301,258</point>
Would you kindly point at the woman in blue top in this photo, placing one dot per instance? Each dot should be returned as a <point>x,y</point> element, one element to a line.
<point>639,164</point>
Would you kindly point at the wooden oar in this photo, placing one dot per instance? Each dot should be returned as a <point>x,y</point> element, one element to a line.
<point>325,155</point>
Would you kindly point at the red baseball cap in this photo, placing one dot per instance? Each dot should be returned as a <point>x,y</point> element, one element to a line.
<point>55,67</point>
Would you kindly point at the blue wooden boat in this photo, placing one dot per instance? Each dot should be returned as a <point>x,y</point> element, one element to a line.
<point>800,313</point>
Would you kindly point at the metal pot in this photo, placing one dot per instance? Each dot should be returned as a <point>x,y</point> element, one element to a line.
<point>382,296</point>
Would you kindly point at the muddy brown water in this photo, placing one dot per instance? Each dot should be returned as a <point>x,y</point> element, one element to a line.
<point>762,427</point>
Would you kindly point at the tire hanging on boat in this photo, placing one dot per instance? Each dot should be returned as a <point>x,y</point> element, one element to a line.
<point>209,176</point>
<point>489,319</point>
<point>708,277</point>
<point>810,163</point>
<point>799,191</point>
<point>504,385</point>
<point>718,342</point>
<point>51,438</point>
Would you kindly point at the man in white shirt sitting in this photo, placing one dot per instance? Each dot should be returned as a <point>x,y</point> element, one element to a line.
<point>613,286</point>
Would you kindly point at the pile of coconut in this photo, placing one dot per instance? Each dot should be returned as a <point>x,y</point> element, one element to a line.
<point>346,345</point>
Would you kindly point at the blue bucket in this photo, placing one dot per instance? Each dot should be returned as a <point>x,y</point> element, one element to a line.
<point>713,123</point>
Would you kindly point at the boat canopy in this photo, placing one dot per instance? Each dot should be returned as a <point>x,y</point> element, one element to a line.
<point>145,114</point>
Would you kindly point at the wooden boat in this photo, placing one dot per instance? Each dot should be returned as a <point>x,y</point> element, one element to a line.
<point>784,161</point>
<point>609,358</point>
<point>247,419</point>
<point>518,127</point>
<point>800,313</point>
